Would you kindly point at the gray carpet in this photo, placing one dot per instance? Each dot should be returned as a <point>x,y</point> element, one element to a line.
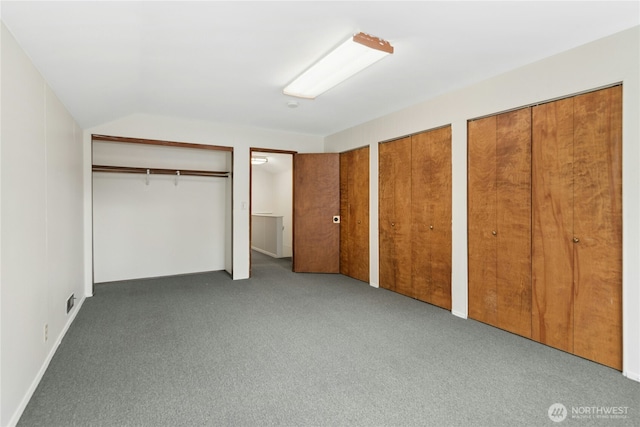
<point>304,350</point>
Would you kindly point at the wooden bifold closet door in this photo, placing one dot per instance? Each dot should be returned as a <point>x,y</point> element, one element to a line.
<point>354,213</point>
<point>415,216</point>
<point>577,244</point>
<point>395,215</point>
<point>431,216</point>
<point>499,233</point>
<point>552,248</point>
<point>545,223</point>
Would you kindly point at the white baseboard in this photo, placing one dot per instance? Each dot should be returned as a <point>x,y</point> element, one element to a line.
<point>271,254</point>
<point>374,285</point>
<point>459,314</point>
<point>27,397</point>
<point>632,376</point>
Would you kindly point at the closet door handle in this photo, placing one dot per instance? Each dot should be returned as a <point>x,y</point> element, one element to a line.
<point>431,227</point>
<point>576,240</point>
<point>494,232</point>
<point>393,224</point>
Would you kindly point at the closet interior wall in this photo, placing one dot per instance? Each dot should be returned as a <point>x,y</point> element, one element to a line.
<point>415,216</point>
<point>545,223</point>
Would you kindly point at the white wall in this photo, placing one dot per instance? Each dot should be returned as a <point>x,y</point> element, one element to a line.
<point>158,229</point>
<point>283,182</point>
<point>262,201</point>
<point>273,194</point>
<point>610,60</point>
<point>199,132</point>
<point>41,199</point>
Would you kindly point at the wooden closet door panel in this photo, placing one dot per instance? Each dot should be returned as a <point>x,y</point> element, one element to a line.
<point>402,222</point>
<point>513,181</point>
<point>481,196</point>
<point>598,226</point>
<point>552,245</point>
<point>440,214</point>
<point>359,214</point>
<point>395,216</point>
<point>385,216</point>
<point>346,159</point>
<point>421,216</point>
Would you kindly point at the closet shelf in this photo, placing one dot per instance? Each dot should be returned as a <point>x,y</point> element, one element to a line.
<point>157,171</point>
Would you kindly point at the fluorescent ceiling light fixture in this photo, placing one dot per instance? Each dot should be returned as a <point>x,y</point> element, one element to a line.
<point>258,160</point>
<point>351,57</point>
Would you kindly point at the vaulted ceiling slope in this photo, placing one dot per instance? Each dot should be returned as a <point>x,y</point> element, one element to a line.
<point>229,61</point>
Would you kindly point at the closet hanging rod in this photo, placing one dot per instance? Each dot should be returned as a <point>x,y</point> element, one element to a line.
<point>157,171</point>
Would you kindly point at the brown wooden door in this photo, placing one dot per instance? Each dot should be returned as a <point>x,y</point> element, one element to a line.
<point>346,237</point>
<point>575,296</point>
<point>552,245</point>
<point>513,215</point>
<point>316,200</point>
<point>359,194</point>
<point>577,245</point>
<point>499,203</point>
<point>395,215</point>
<point>354,211</point>
<point>598,226</point>
<point>440,212</point>
<point>482,225</point>
<point>431,216</point>
<point>421,219</point>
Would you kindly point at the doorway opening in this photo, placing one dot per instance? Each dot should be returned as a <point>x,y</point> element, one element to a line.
<point>271,204</point>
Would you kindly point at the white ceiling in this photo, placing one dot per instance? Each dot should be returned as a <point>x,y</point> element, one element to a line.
<point>229,61</point>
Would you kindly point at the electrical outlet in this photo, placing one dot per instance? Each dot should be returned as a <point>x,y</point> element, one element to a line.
<point>70,303</point>
<point>46,332</point>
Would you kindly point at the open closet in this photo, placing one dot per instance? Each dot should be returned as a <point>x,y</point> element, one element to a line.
<point>159,208</point>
